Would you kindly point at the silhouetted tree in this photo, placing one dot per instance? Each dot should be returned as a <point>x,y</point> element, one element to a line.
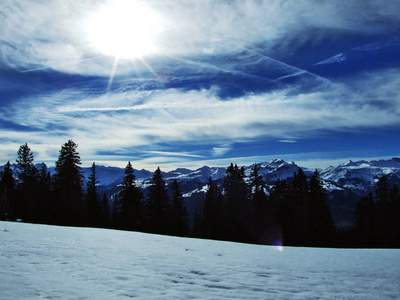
<point>26,183</point>
<point>236,205</point>
<point>318,225</point>
<point>7,193</point>
<point>178,214</point>
<point>364,221</point>
<point>157,205</point>
<point>213,214</point>
<point>261,213</point>
<point>383,213</point>
<point>42,208</point>
<point>298,189</point>
<point>94,211</point>
<point>129,202</point>
<point>282,209</point>
<point>105,207</point>
<point>68,190</point>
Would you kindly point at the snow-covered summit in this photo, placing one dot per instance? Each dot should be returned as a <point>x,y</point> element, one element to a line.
<point>360,176</point>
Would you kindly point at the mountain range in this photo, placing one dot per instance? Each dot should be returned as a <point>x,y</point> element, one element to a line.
<point>345,184</point>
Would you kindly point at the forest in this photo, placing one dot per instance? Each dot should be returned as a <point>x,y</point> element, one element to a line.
<point>295,213</point>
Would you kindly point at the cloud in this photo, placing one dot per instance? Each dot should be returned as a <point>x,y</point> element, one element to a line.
<point>338,58</point>
<point>37,35</point>
<point>144,120</point>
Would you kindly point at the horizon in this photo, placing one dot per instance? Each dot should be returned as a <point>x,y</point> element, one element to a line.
<point>178,84</point>
<point>171,167</point>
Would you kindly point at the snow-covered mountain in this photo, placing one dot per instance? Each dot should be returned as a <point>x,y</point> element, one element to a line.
<point>345,183</point>
<point>361,176</point>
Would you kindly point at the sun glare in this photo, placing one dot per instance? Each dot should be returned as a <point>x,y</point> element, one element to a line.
<point>124,29</point>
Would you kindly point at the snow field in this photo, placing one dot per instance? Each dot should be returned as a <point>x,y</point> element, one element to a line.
<point>50,262</point>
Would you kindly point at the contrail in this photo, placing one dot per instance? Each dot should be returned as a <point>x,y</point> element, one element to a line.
<point>52,67</point>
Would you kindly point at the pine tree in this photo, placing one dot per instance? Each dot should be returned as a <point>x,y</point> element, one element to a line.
<point>42,210</point>
<point>92,198</point>
<point>68,187</point>
<point>319,227</point>
<point>394,197</point>
<point>27,170</point>
<point>261,214</point>
<point>178,215</point>
<point>298,188</point>
<point>282,211</point>
<point>157,205</point>
<point>383,212</point>
<point>213,214</point>
<point>26,183</point>
<point>129,202</point>
<point>105,208</point>
<point>236,205</point>
<point>7,193</point>
<point>364,221</point>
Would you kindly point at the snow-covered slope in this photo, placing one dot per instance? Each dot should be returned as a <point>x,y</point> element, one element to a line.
<point>47,262</point>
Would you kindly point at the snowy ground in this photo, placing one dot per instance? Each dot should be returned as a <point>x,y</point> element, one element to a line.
<point>38,261</point>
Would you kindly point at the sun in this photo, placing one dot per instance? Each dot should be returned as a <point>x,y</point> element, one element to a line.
<point>124,29</point>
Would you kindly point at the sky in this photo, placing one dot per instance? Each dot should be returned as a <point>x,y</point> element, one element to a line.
<point>175,83</point>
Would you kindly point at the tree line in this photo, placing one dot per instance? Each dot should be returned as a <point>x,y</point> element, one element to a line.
<point>295,212</point>
<point>34,195</point>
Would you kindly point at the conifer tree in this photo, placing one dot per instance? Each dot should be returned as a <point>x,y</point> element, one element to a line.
<point>129,202</point>
<point>7,193</point>
<point>318,224</point>
<point>68,187</point>
<point>236,204</point>
<point>394,197</point>
<point>157,205</point>
<point>261,214</point>
<point>178,214</point>
<point>383,212</point>
<point>364,221</point>
<point>92,198</point>
<point>26,183</point>
<point>298,188</point>
<point>282,210</point>
<point>213,214</point>
<point>105,207</point>
<point>43,210</point>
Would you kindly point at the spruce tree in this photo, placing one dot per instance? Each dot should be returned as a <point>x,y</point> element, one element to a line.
<point>157,205</point>
<point>261,214</point>
<point>282,211</point>
<point>26,183</point>
<point>105,208</point>
<point>42,211</point>
<point>298,188</point>
<point>7,193</point>
<point>383,212</point>
<point>236,205</point>
<point>213,214</point>
<point>318,225</point>
<point>92,199</point>
<point>364,221</point>
<point>68,187</point>
<point>178,214</point>
<point>129,202</point>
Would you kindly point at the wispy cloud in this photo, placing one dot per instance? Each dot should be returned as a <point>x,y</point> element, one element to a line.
<point>225,73</point>
<point>199,117</point>
<point>37,35</point>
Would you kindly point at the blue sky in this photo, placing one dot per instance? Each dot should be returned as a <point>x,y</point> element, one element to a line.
<point>188,83</point>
